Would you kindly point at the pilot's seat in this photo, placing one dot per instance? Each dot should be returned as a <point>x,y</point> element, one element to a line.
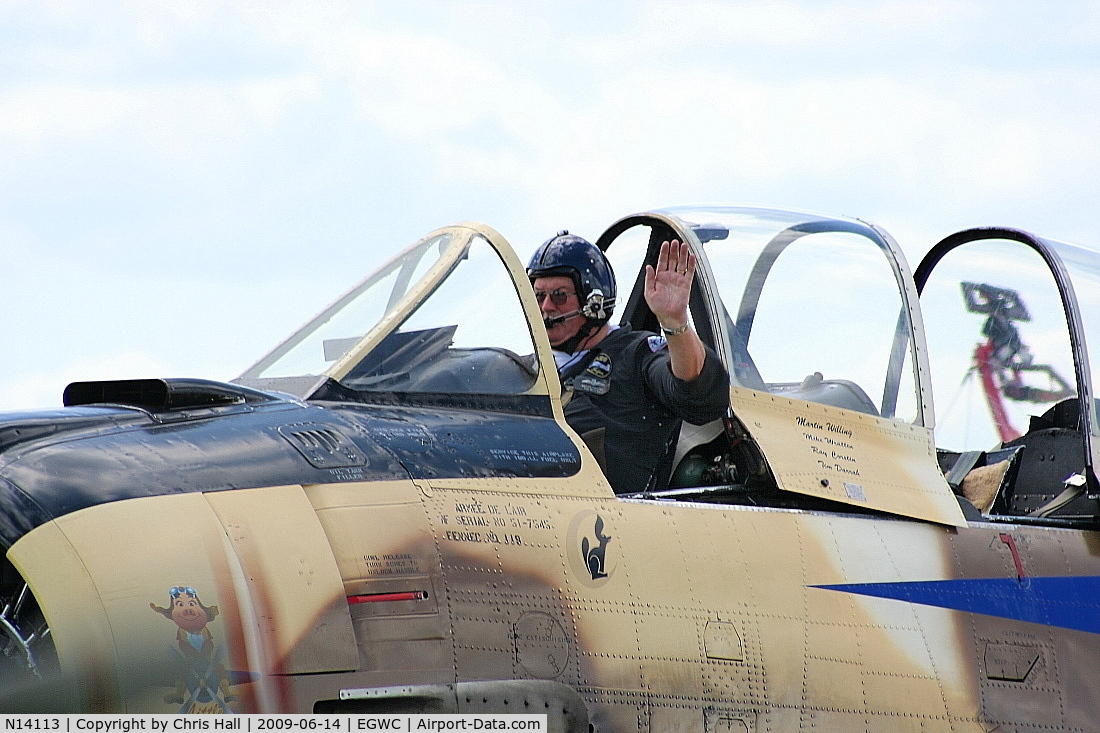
<point>1052,451</point>
<point>1035,474</point>
<point>979,478</point>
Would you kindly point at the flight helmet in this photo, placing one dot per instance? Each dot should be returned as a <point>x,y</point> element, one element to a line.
<point>577,258</point>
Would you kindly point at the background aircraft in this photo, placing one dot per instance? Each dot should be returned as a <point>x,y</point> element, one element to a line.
<point>388,512</point>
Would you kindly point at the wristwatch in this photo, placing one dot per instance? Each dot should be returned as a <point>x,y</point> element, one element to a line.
<point>673,331</point>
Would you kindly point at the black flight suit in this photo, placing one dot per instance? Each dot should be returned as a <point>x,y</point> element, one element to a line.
<point>629,390</point>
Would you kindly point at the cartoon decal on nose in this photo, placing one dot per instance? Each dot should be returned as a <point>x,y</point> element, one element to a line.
<point>203,684</point>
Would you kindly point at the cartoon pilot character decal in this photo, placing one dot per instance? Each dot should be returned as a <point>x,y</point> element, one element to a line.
<point>203,686</point>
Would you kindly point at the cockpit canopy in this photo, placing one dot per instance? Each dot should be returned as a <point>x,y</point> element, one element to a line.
<point>807,307</point>
<point>442,318</point>
<point>802,306</point>
<point>1009,318</point>
<point>814,318</point>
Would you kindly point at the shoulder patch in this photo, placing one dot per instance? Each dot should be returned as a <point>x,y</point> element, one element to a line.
<point>596,379</point>
<point>656,343</point>
<point>600,366</point>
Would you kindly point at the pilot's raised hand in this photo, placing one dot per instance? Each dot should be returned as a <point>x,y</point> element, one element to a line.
<point>668,287</point>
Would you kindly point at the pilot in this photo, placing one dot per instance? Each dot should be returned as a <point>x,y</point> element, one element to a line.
<point>631,389</point>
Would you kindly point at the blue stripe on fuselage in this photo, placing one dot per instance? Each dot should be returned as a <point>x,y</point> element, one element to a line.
<point>1065,602</point>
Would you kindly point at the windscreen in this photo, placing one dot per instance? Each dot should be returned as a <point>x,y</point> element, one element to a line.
<point>469,335</point>
<point>443,316</point>
<point>312,350</point>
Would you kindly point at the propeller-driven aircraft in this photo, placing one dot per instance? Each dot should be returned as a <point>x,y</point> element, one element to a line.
<point>388,513</point>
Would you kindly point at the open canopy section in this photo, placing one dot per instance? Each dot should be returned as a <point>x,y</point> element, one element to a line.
<point>1009,317</point>
<point>443,318</point>
<point>809,307</point>
<point>816,320</point>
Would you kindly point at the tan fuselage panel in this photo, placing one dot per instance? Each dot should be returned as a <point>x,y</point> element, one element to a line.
<point>254,565</point>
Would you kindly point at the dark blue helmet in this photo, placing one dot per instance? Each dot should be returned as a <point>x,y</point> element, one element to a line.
<point>577,258</point>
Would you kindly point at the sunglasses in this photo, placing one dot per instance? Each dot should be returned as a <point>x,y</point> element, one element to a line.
<point>179,590</point>
<point>557,297</point>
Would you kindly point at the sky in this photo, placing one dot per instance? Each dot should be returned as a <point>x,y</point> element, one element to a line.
<point>183,184</point>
